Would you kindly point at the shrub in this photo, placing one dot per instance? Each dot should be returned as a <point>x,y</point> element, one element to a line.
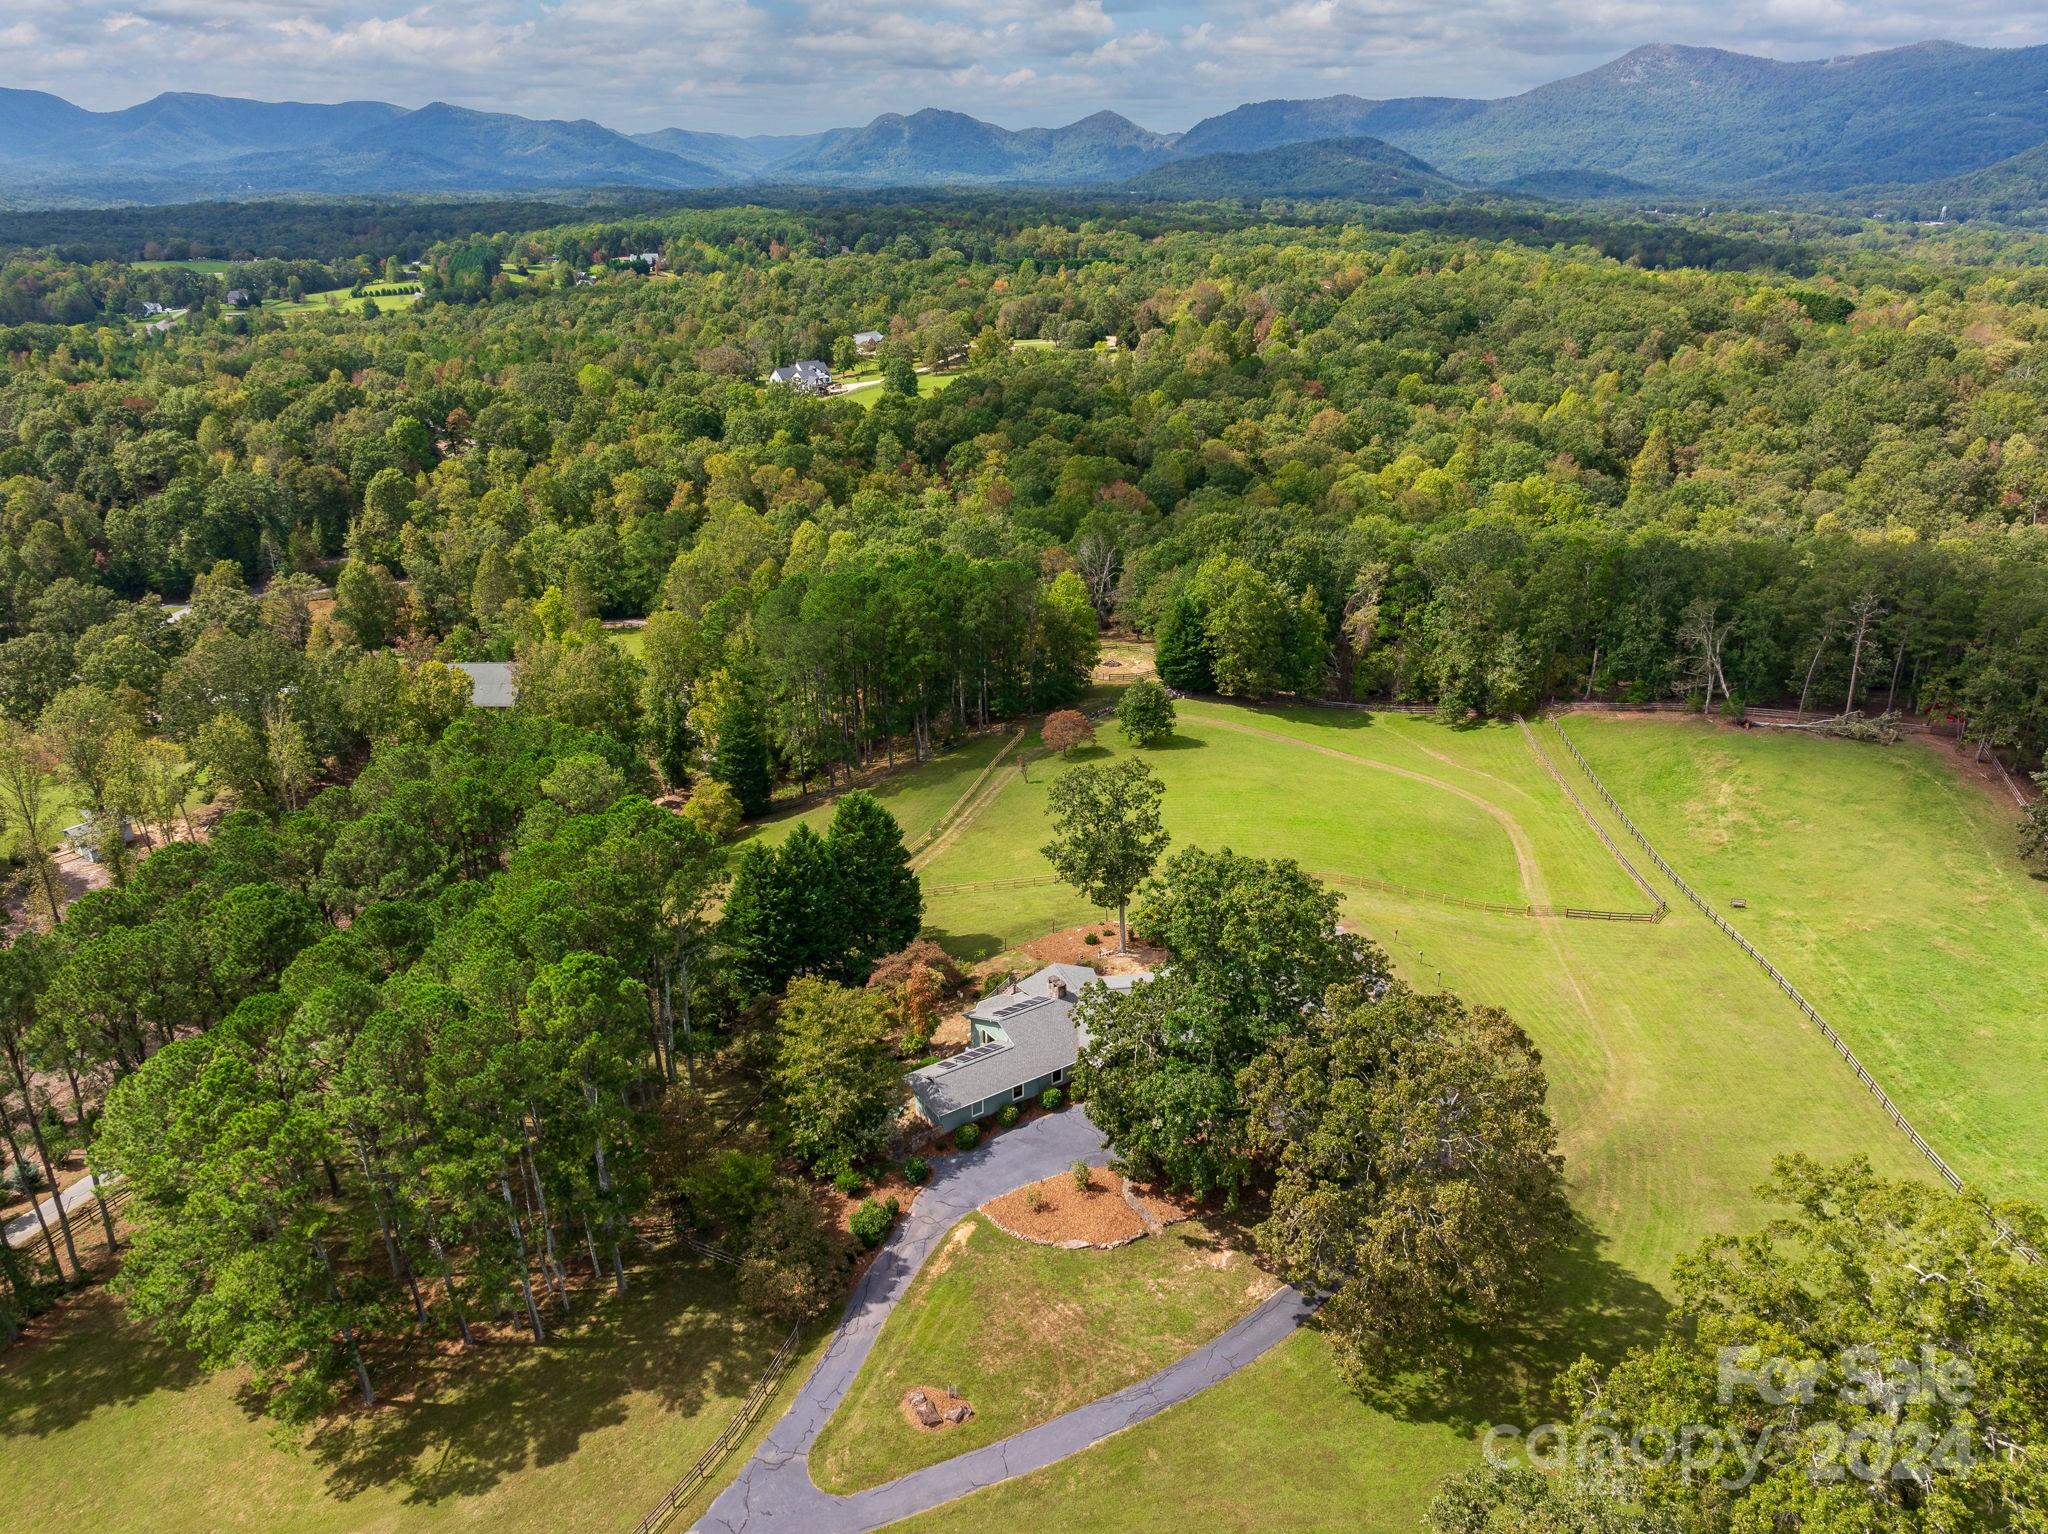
<point>849,1182</point>
<point>1145,713</point>
<point>1033,1199</point>
<point>916,1169</point>
<point>967,1136</point>
<point>22,1177</point>
<point>1091,940</point>
<point>1008,1116</point>
<point>1051,1098</point>
<point>1079,1172</point>
<point>789,1269</point>
<point>725,1190</point>
<point>714,809</point>
<point>871,1222</point>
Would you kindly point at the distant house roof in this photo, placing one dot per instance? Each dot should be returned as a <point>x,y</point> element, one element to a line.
<point>808,374</point>
<point>867,338</point>
<point>494,682</point>
<point>1034,1035</point>
<point>238,295</point>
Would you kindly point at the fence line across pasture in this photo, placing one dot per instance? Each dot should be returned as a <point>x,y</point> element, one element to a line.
<point>1892,1110</point>
<point>1656,899</point>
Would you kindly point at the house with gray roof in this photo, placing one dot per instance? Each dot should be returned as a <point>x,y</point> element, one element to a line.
<point>1021,1040</point>
<point>865,341</point>
<point>810,375</point>
<point>493,683</point>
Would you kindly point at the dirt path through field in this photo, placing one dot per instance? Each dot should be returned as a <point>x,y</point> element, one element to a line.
<point>962,812</point>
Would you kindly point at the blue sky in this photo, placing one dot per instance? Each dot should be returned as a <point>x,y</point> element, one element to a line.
<point>797,65</point>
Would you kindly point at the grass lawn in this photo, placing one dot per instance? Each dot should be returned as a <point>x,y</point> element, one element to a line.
<point>1026,1332</point>
<point>1886,886</point>
<point>1386,805</point>
<point>917,796</point>
<point>927,384</point>
<point>103,1428</point>
<point>1677,1072</point>
<point>341,303</point>
<point>215,267</point>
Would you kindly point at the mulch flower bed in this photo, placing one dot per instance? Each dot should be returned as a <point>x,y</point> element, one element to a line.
<point>1055,1213</point>
<point>1166,1206</point>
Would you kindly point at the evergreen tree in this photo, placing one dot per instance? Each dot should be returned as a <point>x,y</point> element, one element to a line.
<point>880,897</point>
<point>740,759</point>
<point>1180,648</point>
<point>785,916</point>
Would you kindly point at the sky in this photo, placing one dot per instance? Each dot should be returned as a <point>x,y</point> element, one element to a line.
<point>787,66</point>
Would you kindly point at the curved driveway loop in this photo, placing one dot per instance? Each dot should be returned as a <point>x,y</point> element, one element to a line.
<point>773,1493</point>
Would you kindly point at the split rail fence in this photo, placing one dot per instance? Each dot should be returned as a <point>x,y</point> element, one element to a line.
<point>694,1478</point>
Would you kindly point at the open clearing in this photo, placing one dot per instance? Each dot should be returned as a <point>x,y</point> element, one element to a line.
<point>1678,1070</point>
<point>1025,1332</point>
<point>102,1428</point>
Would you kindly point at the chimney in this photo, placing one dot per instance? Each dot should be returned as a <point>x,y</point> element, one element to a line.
<point>1058,986</point>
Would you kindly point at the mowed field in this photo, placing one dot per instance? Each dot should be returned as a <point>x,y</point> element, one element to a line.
<point>1677,1069</point>
<point>1884,883</point>
<point>103,1428</point>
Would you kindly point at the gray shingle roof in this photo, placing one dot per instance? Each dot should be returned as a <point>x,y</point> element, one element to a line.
<point>494,684</point>
<point>1036,1020</point>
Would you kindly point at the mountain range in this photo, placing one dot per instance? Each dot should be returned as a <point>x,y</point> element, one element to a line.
<point>1659,121</point>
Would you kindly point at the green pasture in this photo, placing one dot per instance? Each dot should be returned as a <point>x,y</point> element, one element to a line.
<point>1885,885</point>
<point>917,795</point>
<point>214,268</point>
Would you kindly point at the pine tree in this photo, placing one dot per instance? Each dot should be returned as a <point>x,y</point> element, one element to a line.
<point>1180,648</point>
<point>759,922</point>
<point>880,898</point>
<point>740,760</point>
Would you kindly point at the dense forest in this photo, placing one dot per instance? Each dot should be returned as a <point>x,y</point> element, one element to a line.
<point>1324,460</point>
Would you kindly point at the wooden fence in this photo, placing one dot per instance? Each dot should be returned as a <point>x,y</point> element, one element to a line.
<point>1948,1173</point>
<point>693,1479</point>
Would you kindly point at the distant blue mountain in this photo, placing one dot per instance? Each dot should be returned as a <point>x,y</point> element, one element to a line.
<point>1659,120</point>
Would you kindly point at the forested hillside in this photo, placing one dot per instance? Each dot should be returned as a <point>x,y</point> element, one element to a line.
<point>1326,461</point>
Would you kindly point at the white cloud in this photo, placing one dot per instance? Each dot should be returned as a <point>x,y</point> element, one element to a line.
<point>785,65</point>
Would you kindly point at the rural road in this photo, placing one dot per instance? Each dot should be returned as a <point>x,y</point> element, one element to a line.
<point>21,1229</point>
<point>773,1491</point>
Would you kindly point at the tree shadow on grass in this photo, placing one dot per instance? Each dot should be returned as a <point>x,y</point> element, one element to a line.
<point>84,1357</point>
<point>1591,1307</point>
<point>968,947</point>
<point>1176,742</point>
<point>458,1424</point>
